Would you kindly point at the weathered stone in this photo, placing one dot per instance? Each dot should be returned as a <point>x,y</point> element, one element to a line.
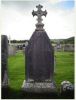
<point>12,50</point>
<point>39,13</point>
<point>39,87</point>
<point>4,60</point>
<point>66,86</point>
<point>67,90</point>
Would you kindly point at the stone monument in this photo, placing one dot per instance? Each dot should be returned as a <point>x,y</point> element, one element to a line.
<point>12,50</point>
<point>67,89</point>
<point>39,59</point>
<point>4,61</point>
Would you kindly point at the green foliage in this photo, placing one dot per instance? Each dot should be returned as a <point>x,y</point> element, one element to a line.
<point>19,41</point>
<point>70,40</point>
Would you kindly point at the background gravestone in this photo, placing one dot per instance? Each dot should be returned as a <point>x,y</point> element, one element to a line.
<point>12,50</point>
<point>39,59</point>
<point>4,58</point>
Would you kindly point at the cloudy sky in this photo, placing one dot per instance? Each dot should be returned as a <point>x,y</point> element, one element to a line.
<point>18,22</point>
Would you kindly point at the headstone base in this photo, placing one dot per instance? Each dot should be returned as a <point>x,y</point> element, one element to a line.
<point>39,87</point>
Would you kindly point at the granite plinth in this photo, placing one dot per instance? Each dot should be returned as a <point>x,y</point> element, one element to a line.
<point>39,87</point>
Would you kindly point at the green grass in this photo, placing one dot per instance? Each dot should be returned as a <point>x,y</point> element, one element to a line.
<point>64,69</point>
<point>16,70</point>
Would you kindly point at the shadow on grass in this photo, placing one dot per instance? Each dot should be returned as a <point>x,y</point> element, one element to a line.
<point>9,93</point>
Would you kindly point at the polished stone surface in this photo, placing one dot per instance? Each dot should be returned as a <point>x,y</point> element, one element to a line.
<point>39,57</point>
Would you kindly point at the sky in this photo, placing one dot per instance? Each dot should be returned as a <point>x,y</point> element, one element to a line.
<point>18,23</point>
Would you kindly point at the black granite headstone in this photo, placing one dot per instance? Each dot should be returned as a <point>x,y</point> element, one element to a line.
<point>39,59</point>
<point>4,60</point>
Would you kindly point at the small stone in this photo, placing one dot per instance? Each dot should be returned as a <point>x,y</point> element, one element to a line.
<point>66,86</point>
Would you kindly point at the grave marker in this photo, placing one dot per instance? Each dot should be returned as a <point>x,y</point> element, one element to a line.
<point>4,60</point>
<point>39,59</point>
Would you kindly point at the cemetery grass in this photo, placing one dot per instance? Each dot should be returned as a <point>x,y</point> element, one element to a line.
<point>64,70</point>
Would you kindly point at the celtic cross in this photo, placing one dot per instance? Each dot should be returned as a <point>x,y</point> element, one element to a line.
<point>39,13</point>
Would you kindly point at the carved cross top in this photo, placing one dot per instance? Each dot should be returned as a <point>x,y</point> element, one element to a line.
<point>39,13</point>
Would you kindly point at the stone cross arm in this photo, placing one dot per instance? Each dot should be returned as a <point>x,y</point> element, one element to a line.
<point>34,13</point>
<point>45,13</point>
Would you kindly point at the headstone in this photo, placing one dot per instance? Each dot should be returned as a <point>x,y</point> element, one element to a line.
<point>67,89</point>
<point>69,47</point>
<point>54,64</point>
<point>58,46</point>
<point>26,44</point>
<point>12,50</point>
<point>39,59</point>
<point>4,60</point>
